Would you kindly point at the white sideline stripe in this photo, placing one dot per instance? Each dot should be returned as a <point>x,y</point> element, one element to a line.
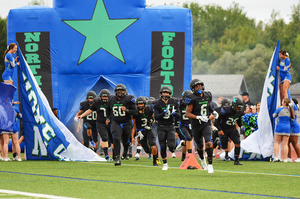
<point>33,194</point>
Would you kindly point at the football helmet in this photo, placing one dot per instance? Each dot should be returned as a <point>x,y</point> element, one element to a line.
<point>120,87</point>
<point>237,105</point>
<point>225,102</point>
<point>104,93</point>
<point>194,83</point>
<point>91,95</point>
<point>165,89</point>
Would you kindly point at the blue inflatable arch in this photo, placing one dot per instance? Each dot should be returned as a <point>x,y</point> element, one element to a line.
<point>79,46</point>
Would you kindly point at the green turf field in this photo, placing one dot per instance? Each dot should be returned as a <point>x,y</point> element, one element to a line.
<point>138,179</point>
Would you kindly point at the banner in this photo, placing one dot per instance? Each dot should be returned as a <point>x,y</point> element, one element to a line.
<point>167,62</point>
<point>36,49</point>
<point>7,113</point>
<point>260,144</point>
<point>46,138</point>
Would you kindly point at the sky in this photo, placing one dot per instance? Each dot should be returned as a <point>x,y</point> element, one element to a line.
<point>257,9</point>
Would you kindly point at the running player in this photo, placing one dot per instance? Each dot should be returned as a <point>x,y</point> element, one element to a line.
<point>185,127</point>
<point>226,123</point>
<point>165,109</point>
<point>99,106</point>
<point>142,126</point>
<point>198,108</point>
<point>89,133</point>
<point>119,111</point>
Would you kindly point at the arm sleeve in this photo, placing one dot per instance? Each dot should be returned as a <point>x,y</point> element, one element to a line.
<point>108,111</point>
<point>275,114</point>
<point>132,109</point>
<point>11,59</point>
<point>158,115</point>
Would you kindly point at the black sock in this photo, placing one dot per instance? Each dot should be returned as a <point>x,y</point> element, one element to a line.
<point>237,153</point>
<point>105,151</point>
<point>154,158</point>
<point>183,157</point>
<point>200,153</point>
<point>189,151</point>
<point>209,155</point>
<point>138,151</point>
<point>14,155</point>
<point>165,161</point>
<point>226,153</point>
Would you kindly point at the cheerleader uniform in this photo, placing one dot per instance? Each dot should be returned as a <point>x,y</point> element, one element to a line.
<point>295,129</point>
<point>10,65</point>
<point>283,126</point>
<point>284,69</point>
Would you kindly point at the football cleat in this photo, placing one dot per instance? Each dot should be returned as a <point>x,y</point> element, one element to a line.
<point>236,162</point>
<point>180,145</point>
<point>6,159</point>
<point>210,169</point>
<point>227,158</point>
<point>275,160</point>
<point>165,167</point>
<point>137,156</point>
<point>150,156</point>
<point>289,160</point>
<point>203,164</point>
<point>157,161</point>
<point>173,155</point>
<point>118,162</point>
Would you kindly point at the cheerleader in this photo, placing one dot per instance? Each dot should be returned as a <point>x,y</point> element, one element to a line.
<point>10,63</point>
<point>285,75</point>
<point>282,131</point>
<point>294,134</point>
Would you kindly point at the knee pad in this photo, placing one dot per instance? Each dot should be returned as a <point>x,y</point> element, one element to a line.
<point>171,147</point>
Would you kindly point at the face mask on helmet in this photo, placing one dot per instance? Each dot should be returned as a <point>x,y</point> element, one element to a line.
<point>165,96</point>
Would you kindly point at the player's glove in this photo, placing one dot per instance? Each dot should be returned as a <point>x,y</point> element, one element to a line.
<point>140,135</point>
<point>202,118</point>
<point>147,127</point>
<point>243,128</point>
<point>216,114</point>
<point>215,129</point>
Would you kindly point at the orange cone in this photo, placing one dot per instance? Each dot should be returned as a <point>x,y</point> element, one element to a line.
<point>190,161</point>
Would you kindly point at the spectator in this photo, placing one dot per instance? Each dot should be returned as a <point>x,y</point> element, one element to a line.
<point>55,112</point>
<point>245,97</point>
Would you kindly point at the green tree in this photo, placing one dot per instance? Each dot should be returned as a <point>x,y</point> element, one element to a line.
<point>253,64</point>
<point>37,2</point>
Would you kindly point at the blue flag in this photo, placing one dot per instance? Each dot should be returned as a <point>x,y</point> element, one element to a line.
<point>46,138</point>
<point>260,145</point>
<point>7,113</point>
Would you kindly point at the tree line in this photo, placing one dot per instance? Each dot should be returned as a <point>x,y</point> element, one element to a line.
<point>226,41</point>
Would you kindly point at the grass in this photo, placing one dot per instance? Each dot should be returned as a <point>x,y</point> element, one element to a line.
<point>138,179</point>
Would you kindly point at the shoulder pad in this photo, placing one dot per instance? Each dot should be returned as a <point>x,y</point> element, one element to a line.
<point>223,110</point>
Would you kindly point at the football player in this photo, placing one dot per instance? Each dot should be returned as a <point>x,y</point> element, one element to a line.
<point>198,109</point>
<point>89,132</point>
<point>215,136</point>
<point>99,106</point>
<point>185,127</point>
<point>165,109</point>
<point>119,111</point>
<point>227,123</point>
<point>142,126</point>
